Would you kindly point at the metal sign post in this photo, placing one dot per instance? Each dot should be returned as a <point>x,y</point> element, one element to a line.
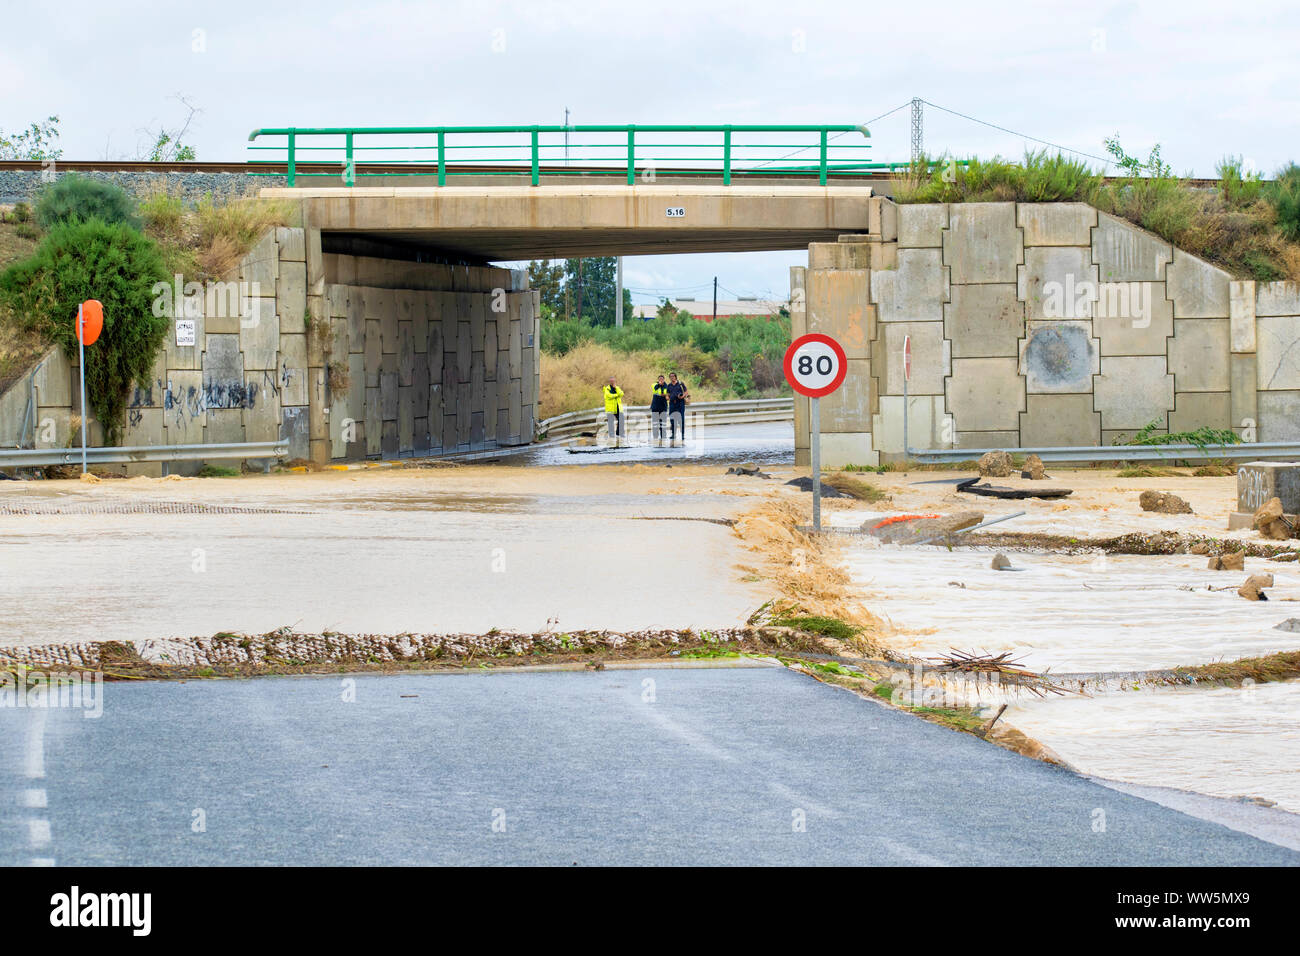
<point>90,322</point>
<point>81,356</point>
<point>815,447</point>
<point>815,365</point>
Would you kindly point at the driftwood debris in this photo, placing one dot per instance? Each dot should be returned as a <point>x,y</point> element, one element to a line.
<point>1008,670</point>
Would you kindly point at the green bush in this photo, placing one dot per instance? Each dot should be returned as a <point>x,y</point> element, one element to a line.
<point>1284,193</point>
<point>22,212</point>
<point>560,337</point>
<point>118,266</point>
<point>73,198</point>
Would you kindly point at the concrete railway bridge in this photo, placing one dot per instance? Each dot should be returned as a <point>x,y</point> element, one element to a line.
<point>381,327</point>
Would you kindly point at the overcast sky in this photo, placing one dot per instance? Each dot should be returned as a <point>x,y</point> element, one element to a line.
<point>1203,79</point>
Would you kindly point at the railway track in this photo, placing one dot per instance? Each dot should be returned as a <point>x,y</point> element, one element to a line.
<point>410,169</point>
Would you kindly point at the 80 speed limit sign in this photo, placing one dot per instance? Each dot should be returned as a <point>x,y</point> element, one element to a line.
<point>815,365</point>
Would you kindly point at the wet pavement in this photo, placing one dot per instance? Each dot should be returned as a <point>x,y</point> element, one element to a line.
<point>764,443</point>
<point>669,767</point>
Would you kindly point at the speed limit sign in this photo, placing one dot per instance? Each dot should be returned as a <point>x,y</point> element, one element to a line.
<point>815,365</point>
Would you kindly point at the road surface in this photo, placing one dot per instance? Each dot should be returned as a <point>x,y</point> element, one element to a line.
<point>735,766</point>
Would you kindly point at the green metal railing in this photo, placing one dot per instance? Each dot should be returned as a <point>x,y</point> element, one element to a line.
<point>352,153</point>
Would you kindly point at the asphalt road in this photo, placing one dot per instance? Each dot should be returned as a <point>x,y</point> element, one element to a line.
<point>720,767</point>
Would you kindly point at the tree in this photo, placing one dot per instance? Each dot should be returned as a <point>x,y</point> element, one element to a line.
<point>547,276</point>
<point>592,281</point>
<point>35,143</point>
<point>168,144</point>
<point>118,266</point>
<point>1154,166</point>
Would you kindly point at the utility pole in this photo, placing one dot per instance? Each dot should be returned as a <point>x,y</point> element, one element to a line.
<point>618,296</point>
<point>715,298</point>
<point>580,289</point>
<point>918,130</point>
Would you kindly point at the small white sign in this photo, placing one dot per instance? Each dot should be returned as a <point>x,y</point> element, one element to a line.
<point>185,332</point>
<point>676,212</point>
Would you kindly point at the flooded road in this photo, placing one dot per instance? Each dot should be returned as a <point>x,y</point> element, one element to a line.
<point>327,554</point>
<point>1081,612</point>
<point>764,443</point>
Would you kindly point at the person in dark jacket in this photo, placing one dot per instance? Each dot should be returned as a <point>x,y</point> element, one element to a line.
<point>678,396</point>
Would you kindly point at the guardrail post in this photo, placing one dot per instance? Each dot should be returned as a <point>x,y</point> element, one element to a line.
<point>292,165</point>
<point>726,158</point>
<point>631,157</point>
<point>350,170</point>
<point>442,158</point>
<point>536,177</point>
<point>822,174</point>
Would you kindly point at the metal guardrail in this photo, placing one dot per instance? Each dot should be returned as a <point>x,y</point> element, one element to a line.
<point>629,151</point>
<point>36,457</point>
<point>571,424</point>
<point>1247,450</point>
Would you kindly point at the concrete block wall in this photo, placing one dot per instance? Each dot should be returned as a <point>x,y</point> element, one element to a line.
<point>440,357</point>
<point>1046,324</point>
<point>434,357</point>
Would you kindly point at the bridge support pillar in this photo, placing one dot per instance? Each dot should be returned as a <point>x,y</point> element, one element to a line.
<point>832,295</point>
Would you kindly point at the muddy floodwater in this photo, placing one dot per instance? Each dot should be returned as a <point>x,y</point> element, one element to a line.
<point>1075,612</point>
<point>366,562</point>
<point>1224,741</point>
<point>1113,613</point>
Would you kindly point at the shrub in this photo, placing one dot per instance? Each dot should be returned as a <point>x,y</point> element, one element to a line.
<point>74,198</point>
<point>22,212</point>
<point>118,266</point>
<point>1284,195</point>
<point>163,215</point>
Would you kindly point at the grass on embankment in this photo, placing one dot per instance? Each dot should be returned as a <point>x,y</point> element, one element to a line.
<point>18,348</point>
<point>573,381</point>
<point>1249,226</point>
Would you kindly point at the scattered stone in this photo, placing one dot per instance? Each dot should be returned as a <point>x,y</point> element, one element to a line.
<point>1164,502</point>
<point>1253,589</point>
<point>1199,548</point>
<point>1000,562</point>
<point>1286,556</point>
<point>962,585</point>
<point>995,464</point>
<point>749,468</point>
<point>1034,469</point>
<point>1291,625</point>
<point>804,483</point>
<point>1269,521</point>
<point>1229,562</point>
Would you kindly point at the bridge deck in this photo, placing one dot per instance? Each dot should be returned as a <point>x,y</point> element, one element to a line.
<point>498,223</point>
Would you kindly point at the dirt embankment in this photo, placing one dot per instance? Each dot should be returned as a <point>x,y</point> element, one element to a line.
<point>285,651</point>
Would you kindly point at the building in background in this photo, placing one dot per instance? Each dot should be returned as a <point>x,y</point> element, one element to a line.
<point>703,308</point>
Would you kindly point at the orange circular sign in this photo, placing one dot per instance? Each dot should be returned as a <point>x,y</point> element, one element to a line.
<point>91,321</point>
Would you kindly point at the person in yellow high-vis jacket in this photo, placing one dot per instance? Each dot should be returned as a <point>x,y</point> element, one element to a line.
<point>614,410</point>
<point>659,412</point>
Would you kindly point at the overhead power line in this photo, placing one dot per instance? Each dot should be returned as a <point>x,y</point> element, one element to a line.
<point>1066,149</point>
<point>833,138</point>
